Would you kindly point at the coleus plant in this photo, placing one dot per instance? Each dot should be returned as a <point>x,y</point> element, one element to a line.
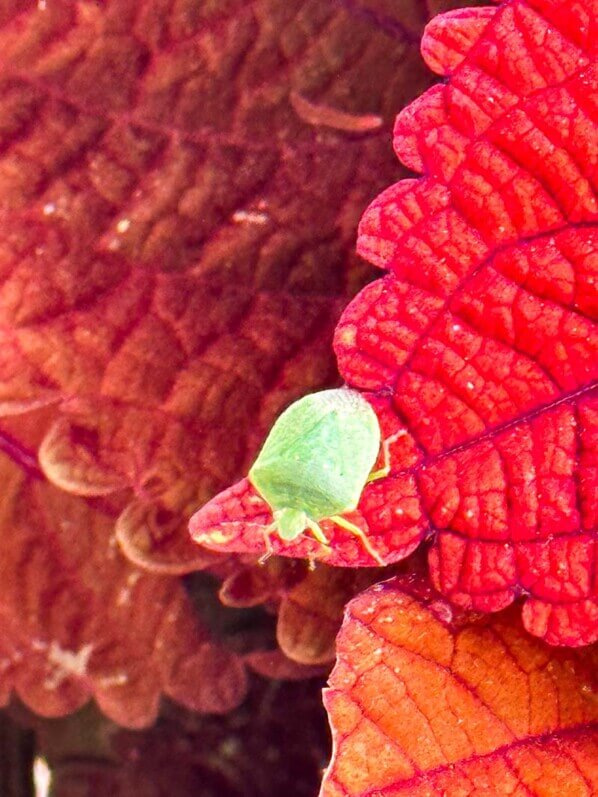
<point>144,406</point>
<point>479,353</point>
<point>479,350</point>
<point>177,224</point>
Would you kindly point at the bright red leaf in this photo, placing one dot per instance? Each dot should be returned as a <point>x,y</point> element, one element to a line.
<point>482,341</point>
<point>420,707</point>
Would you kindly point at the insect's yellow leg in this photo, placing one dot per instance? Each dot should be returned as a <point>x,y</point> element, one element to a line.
<point>318,533</point>
<point>357,532</point>
<point>383,472</point>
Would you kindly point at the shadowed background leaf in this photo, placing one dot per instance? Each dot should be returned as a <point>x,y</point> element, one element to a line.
<point>309,603</point>
<point>254,751</point>
<point>77,620</point>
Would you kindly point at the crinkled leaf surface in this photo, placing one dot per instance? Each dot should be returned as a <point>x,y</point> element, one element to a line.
<point>424,708</point>
<point>77,620</point>
<point>180,185</point>
<point>482,339</point>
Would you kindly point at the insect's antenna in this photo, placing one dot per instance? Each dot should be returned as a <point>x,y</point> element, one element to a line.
<point>357,532</point>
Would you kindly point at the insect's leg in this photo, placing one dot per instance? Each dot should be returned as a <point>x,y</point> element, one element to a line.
<point>318,533</point>
<point>383,472</point>
<point>357,532</point>
<point>267,532</point>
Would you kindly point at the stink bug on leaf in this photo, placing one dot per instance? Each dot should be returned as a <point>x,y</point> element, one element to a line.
<point>315,463</point>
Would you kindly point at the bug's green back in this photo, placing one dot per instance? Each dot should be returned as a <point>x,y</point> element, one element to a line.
<point>319,454</point>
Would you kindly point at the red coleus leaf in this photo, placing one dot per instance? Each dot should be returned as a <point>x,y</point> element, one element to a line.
<point>481,342</point>
<point>78,621</point>
<point>180,186</point>
<point>424,708</point>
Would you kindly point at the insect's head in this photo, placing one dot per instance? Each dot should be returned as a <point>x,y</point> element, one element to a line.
<point>290,523</point>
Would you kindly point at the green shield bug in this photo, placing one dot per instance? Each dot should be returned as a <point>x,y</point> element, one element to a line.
<point>315,463</point>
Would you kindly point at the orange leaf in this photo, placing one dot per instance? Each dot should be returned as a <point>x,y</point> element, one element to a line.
<point>422,708</point>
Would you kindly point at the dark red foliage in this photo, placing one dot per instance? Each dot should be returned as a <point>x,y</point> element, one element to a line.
<point>79,621</point>
<point>253,751</point>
